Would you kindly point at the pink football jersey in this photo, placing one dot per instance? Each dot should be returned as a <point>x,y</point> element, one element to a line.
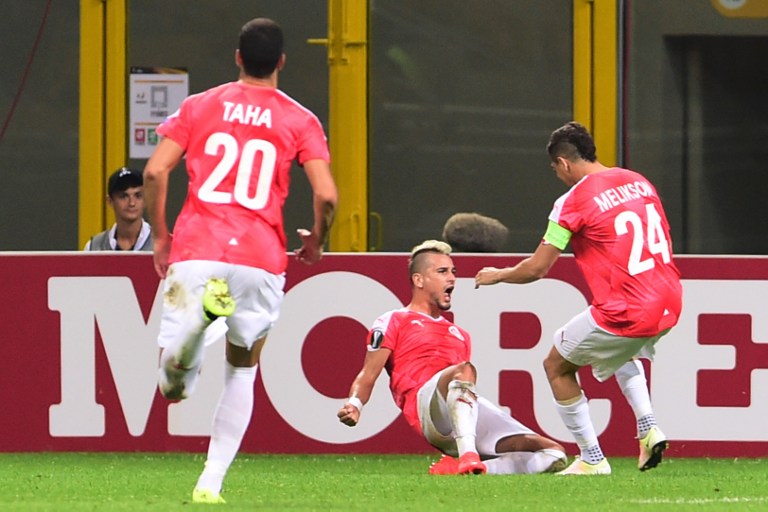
<point>620,238</point>
<point>421,346</point>
<point>240,141</point>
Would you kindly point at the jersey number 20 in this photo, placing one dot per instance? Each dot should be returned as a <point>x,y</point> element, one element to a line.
<point>653,238</point>
<point>244,171</point>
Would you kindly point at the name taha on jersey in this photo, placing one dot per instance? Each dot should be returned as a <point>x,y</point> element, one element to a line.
<point>247,114</point>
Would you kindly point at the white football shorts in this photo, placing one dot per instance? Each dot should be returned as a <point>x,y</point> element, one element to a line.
<point>493,424</point>
<point>258,295</point>
<point>582,342</point>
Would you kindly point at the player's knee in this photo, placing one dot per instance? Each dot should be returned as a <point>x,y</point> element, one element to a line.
<point>465,371</point>
<point>630,371</point>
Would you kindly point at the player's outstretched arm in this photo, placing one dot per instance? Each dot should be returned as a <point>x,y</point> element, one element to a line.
<point>362,387</point>
<point>530,269</point>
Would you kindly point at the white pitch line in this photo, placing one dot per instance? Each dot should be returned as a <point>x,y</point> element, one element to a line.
<point>700,501</point>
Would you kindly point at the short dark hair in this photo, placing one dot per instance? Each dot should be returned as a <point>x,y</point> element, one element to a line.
<point>123,179</point>
<point>572,141</point>
<point>261,46</point>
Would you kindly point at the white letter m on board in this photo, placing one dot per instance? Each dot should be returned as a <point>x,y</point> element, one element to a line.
<point>129,343</point>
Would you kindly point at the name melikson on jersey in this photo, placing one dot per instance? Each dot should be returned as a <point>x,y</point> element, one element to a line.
<point>623,193</point>
<point>247,114</point>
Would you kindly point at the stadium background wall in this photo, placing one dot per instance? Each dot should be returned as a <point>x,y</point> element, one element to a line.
<point>79,367</point>
<point>452,113</point>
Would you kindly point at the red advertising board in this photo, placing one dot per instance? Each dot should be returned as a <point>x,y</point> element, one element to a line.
<point>79,362</point>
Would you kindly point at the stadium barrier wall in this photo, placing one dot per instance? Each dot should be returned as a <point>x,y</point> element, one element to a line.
<point>79,363</point>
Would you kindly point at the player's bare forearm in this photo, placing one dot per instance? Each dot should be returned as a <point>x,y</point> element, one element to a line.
<point>519,274</point>
<point>324,199</point>
<point>362,387</point>
<point>325,196</point>
<point>529,270</point>
<point>155,194</point>
<point>325,211</point>
<point>311,250</point>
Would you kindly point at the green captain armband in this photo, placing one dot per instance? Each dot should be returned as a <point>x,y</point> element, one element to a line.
<point>557,235</point>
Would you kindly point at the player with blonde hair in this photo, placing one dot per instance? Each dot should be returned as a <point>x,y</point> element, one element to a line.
<point>433,381</point>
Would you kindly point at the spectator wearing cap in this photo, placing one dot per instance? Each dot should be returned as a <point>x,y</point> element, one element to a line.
<point>130,232</point>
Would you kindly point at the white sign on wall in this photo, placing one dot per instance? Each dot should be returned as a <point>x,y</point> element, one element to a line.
<point>155,93</point>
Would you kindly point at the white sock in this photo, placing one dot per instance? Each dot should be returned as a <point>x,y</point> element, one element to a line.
<point>542,460</point>
<point>523,462</point>
<point>462,406</point>
<point>230,421</point>
<point>576,418</point>
<point>632,381</point>
<point>510,463</point>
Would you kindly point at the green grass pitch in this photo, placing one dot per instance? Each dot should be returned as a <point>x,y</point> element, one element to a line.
<point>137,481</point>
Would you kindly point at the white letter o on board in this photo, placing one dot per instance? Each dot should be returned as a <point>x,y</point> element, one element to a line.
<point>313,414</point>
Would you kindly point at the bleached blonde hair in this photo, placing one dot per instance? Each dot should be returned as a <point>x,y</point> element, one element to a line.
<point>435,246</point>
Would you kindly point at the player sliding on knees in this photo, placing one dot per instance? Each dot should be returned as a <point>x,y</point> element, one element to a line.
<point>433,383</point>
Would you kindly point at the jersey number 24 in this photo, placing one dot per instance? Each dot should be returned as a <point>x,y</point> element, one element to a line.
<point>653,238</point>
